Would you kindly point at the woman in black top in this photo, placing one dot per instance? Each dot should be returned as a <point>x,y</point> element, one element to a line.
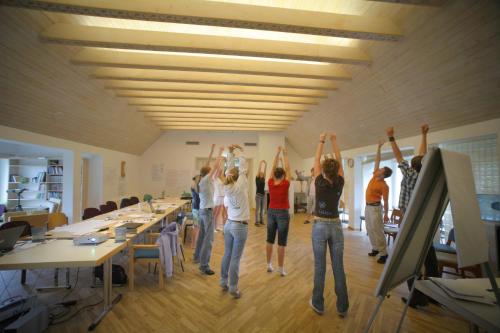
<point>260,194</point>
<point>327,228</point>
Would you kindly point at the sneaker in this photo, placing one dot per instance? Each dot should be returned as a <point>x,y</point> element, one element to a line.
<point>412,304</point>
<point>318,311</point>
<point>307,222</point>
<point>224,288</point>
<point>282,271</point>
<point>208,271</point>
<point>196,261</point>
<point>257,224</point>
<point>262,223</point>
<point>269,268</point>
<point>236,294</point>
<point>382,259</point>
<point>373,253</point>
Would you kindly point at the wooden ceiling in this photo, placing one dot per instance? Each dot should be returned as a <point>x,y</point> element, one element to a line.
<point>252,65</point>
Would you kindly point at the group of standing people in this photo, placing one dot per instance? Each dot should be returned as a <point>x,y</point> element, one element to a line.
<point>325,190</point>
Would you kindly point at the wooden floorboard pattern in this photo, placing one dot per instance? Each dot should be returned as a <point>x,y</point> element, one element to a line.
<point>191,302</point>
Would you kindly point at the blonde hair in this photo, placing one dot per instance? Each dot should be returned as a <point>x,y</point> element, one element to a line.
<point>232,176</point>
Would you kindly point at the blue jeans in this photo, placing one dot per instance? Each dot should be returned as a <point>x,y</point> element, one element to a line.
<point>260,206</point>
<point>205,241</point>
<point>277,220</point>
<point>330,233</point>
<point>235,236</point>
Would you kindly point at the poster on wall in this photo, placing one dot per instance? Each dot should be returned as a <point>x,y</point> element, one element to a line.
<point>157,172</point>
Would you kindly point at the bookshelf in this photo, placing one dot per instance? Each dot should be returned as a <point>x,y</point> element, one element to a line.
<point>55,172</point>
<point>42,179</point>
<point>28,174</point>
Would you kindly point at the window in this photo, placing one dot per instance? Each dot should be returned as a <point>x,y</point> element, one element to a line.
<point>483,152</point>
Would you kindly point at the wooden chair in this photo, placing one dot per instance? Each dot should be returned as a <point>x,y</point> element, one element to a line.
<point>90,212</point>
<point>34,220</point>
<point>56,220</point>
<point>391,229</point>
<point>150,253</point>
<point>26,232</point>
<point>112,204</point>
<point>447,257</point>
<point>134,200</point>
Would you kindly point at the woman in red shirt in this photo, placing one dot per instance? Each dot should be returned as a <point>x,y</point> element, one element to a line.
<point>278,217</point>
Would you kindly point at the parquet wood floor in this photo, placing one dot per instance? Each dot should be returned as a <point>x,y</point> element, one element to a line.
<point>191,302</point>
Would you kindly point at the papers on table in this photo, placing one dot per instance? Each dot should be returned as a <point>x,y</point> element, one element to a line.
<point>85,227</point>
<point>473,290</point>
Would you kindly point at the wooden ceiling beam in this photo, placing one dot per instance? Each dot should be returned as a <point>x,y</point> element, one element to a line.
<point>194,115</point>
<point>133,39</point>
<point>203,110</point>
<point>227,15</point>
<point>215,121</point>
<point>218,128</point>
<point>214,64</point>
<point>135,74</point>
<point>432,3</point>
<point>217,104</point>
<point>210,88</point>
<point>215,96</point>
<point>230,125</point>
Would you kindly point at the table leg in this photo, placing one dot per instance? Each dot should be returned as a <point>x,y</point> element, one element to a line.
<point>107,295</point>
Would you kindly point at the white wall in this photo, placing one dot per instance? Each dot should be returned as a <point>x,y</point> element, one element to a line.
<point>105,179</point>
<point>353,177</point>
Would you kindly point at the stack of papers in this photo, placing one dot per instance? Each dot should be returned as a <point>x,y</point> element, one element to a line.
<point>472,290</point>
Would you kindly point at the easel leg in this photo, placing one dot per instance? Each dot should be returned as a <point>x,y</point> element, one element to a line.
<point>374,314</point>
<point>493,281</point>
<point>407,304</point>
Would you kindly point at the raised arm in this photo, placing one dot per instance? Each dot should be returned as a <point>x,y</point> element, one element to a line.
<point>287,165</point>
<point>217,162</point>
<point>377,157</point>
<point>263,167</point>
<point>210,155</point>
<point>317,156</point>
<point>275,161</point>
<point>423,143</point>
<point>336,153</point>
<point>385,195</point>
<point>394,145</point>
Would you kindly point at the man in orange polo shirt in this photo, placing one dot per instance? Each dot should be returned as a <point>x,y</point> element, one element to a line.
<point>376,191</point>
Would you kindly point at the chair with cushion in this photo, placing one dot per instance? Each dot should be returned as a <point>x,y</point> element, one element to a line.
<point>134,200</point>
<point>447,257</point>
<point>112,204</point>
<point>125,203</point>
<point>150,253</point>
<point>26,232</point>
<point>90,212</point>
<point>105,209</point>
<point>391,229</point>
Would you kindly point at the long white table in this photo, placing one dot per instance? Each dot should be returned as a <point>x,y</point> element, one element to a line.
<point>61,253</point>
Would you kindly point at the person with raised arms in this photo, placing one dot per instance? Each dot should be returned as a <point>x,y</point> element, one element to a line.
<point>205,241</point>
<point>327,228</point>
<point>238,216</point>
<point>260,193</point>
<point>278,217</point>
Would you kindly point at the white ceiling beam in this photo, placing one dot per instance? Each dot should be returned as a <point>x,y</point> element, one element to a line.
<point>230,125</point>
<point>117,38</point>
<point>209,88</point>
<point>217,64</point>
<point>194,115</point>
<point>218,128</point>
<point>227,15</point>
<point>432,3</point>
<point>221,120</point>
<point>215,96</point>
<point>136,74</point>
<point>216,104</point>
<point>203,110</point>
